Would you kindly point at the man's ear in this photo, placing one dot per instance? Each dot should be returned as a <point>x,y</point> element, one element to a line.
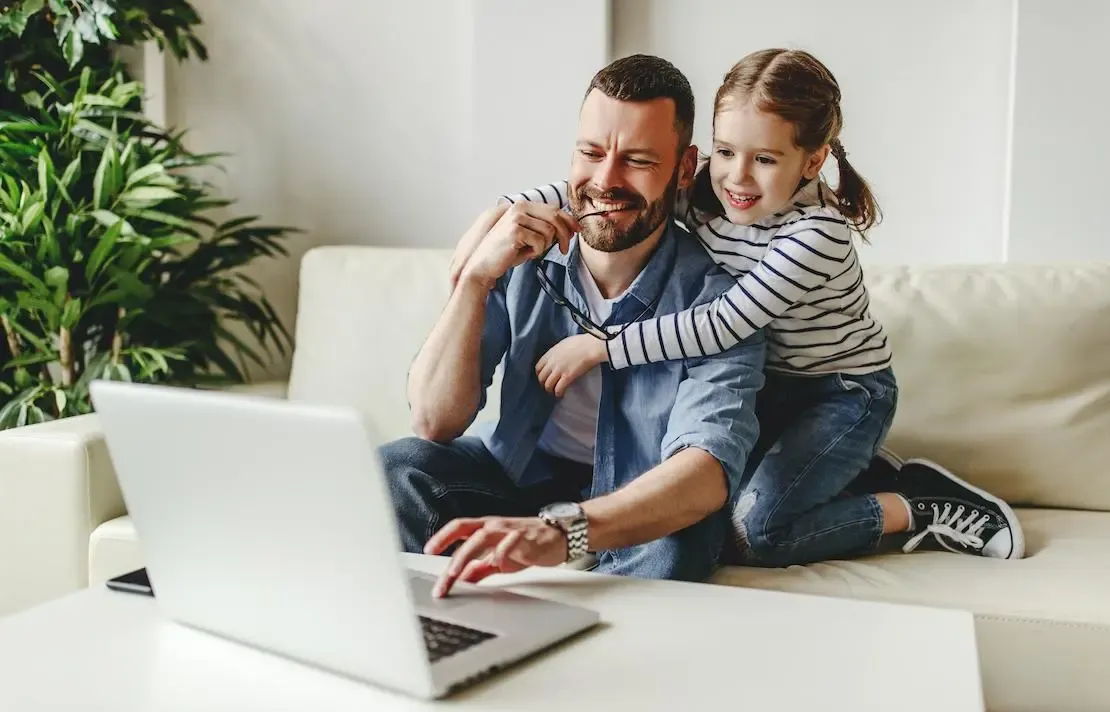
<point>815,161</point>
<point>687,166</point>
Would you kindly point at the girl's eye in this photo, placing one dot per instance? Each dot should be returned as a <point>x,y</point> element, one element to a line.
<point>724,153</point>
<point>766,160</point>
<point>639,162</point>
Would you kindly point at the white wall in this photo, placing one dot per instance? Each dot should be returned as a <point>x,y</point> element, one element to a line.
<point>383,122</point>
<point>1061,152</point>
<point>977,122</point>
<point>925,100</point>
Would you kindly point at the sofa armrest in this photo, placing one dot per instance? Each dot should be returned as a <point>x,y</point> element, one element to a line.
<point>57,485</point>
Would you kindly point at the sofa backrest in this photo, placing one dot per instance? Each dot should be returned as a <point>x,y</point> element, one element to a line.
<point>1004,370</point>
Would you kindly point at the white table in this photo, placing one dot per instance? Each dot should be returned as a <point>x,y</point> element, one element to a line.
<point>661,646</point>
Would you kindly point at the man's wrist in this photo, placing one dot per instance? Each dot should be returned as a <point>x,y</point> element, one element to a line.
<point>474,282</point>
<point>571,521</point>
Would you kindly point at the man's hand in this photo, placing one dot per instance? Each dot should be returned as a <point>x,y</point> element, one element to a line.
<point>525,231</point>
<point>569,360</point>
<point>495,545</point>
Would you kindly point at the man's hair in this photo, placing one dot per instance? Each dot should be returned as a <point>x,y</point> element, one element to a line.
<point>643,77</point>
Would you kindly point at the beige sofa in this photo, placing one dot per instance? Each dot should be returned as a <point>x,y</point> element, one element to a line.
<point>1005,375</point>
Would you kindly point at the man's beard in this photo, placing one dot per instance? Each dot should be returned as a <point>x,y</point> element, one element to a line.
<point>606,236</point>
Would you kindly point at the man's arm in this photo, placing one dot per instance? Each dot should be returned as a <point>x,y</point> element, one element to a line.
<point>447,379</point>
<point>678,493</point>
<point>710,435</point>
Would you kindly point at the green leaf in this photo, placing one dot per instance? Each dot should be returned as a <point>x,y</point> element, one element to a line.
<point>32,216</point>
<point>73,49</point>
<point>60,400</point>
<point>109,219</point>
<point>57,277</point>
<point>71,313</point>
<point>103,247</point>
<point>20,273</point>
<point>24,127</point>
<point>97,129</point>
<point>46,172</point>
<point>166,219</point>
<point>105,183</point>
<point>98,100</point>
<point>146,172</point>
<point>125,92</point>
<point>71,171</point>
<point>148,195</point>
<point>31,360</point>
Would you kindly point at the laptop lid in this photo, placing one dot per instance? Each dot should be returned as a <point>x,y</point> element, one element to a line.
<point>267,522</point>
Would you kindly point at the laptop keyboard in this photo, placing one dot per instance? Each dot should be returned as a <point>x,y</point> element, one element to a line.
<point>443,639</point>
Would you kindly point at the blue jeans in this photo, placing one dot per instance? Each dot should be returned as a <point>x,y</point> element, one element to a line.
<point>817,434</point>
<point>433,483</point>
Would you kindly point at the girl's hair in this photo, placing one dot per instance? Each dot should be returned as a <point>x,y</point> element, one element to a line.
<point>795,86</point>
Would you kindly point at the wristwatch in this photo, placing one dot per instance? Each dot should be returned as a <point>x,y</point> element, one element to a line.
<point>571,519</point>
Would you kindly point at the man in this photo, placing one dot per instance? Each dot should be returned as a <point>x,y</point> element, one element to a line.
<point>634,465</point>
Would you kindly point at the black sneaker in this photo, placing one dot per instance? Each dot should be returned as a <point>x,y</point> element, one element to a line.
<point>950,514</point>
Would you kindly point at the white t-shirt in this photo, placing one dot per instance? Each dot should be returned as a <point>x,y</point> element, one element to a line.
<point>572,430</point>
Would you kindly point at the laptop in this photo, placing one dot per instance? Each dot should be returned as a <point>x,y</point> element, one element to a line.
<point>269,523</point>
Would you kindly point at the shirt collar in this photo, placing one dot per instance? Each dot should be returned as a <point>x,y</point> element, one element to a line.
<point>647,286</point>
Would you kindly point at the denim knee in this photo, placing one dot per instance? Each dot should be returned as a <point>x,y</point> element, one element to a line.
<point>751,515</point>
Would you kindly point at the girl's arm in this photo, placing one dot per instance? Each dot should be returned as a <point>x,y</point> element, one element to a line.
<point>805,255</point>
<point>552,194</point>
<point>557,194</point>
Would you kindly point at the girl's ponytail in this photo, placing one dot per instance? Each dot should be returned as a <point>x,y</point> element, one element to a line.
<point>854,197</point>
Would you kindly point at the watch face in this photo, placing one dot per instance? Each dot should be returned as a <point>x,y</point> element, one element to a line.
<point>563,510</point>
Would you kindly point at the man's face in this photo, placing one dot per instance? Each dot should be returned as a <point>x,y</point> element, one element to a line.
<point>626,164</point>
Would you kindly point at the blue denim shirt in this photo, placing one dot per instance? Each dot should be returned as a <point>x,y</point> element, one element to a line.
<point>647,413</point>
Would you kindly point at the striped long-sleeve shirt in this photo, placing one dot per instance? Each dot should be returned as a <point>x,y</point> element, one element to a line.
<point>797,274</point>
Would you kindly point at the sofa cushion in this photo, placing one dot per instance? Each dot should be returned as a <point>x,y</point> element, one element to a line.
<point>1004,369</point>
<point>362,315</point>
<point>1004,374</point>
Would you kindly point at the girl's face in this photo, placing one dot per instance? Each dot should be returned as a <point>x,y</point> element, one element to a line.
<point>755,167</point>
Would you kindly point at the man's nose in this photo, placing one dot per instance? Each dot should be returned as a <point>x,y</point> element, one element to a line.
<point>608,175</point>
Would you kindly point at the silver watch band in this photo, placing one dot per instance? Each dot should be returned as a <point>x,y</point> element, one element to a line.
<point>576,530</point>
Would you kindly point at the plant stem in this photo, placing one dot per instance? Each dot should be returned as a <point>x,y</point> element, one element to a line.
<point>117,337</point>
<point>13,338</point>
<point>65,356</point>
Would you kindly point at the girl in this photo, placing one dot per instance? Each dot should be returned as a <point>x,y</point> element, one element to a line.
<point>762,211</point>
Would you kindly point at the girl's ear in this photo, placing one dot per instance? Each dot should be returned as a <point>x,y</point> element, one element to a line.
<point>814,162</point>
<point>687,167</point>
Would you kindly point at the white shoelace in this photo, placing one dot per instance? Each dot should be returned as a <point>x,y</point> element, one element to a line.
<point>947,526</point>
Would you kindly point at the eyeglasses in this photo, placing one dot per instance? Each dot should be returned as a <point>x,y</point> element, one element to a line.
<point>581,319</point>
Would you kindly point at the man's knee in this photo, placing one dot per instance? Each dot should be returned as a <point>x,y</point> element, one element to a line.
<point>407,464</point>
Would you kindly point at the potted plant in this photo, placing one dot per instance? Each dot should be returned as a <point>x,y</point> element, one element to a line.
<point>112,262</point>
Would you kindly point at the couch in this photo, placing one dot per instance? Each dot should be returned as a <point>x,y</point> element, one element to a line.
<point>1005,379</point>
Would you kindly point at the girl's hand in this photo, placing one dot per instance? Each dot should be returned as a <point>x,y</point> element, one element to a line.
<point>569,360</point>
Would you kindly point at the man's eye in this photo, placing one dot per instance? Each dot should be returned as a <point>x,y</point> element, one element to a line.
<point>592,155</point>
<point>639,162</point>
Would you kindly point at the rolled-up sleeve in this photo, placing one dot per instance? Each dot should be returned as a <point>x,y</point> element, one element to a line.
<point>495,337</point>
<point>714,409</point>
